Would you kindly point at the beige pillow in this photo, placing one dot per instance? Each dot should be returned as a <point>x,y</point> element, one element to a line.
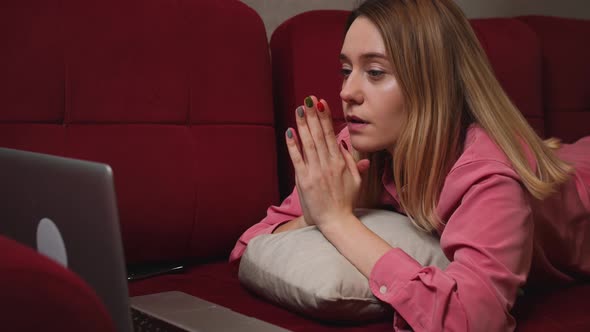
<point>302,271</point>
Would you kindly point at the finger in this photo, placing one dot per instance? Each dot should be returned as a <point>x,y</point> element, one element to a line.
<point>294,152</point>
<point>325,116</point>
<point>315,129</point>
<point>308,146</point>
<point>363,166</point>
<point>350,162</point>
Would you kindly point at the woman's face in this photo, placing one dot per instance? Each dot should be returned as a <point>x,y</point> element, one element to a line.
<point>371,96</point>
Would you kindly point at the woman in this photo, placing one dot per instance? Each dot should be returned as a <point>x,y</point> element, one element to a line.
<point>433,135</point>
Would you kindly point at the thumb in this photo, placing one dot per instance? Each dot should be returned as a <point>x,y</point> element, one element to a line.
<point>363,165</point>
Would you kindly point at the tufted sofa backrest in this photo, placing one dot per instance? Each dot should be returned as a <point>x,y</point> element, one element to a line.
<point>175,95</point>
<point>566,71</point>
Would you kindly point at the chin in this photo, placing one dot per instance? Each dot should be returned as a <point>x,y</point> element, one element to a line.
<point>362,146</point>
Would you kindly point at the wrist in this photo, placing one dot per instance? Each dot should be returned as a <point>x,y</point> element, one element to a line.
<point>338,225</point>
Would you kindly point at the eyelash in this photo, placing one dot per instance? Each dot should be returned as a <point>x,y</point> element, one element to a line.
<point>373,73</point>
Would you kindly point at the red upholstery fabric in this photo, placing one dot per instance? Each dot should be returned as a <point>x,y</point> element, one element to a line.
<point>40,295</point>
<point>175,96</point>
<point>39,137</point>
<point>32,82</point>
<point>305,59</point>
<point>566,70</point>
<point>153,169</point>
<point>557,310</point>
<point>514,52</point>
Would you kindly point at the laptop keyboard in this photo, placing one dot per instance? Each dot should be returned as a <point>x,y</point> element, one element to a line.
<point>143,322</point>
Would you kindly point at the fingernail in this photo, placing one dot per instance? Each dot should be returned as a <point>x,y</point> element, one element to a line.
<point>320,106</point>
<point>309,102</point>
<point>300,112</point>
<point>344,145</point>
<point>289,133</point>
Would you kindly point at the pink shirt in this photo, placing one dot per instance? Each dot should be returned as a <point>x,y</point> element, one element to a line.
<point>495,233</point>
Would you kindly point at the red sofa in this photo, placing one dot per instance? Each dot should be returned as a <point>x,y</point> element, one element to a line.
<point>177,96</point>
<point>37,294</point>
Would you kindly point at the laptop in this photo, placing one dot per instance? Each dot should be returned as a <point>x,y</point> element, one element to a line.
<point>66,209</point>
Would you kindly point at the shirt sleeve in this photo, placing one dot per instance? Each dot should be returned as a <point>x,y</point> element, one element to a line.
<point>276,215</point>
<point>488,238</point>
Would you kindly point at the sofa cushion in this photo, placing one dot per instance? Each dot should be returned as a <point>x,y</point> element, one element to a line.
<point>514,52</point>
<point>172,94</point>
<point>39,294</point>
<point>566,72</point>
<point>561,310</point>
<point>32,82</point>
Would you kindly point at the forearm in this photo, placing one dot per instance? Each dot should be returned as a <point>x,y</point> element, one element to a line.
<point>357,243</point>
<point>275,217</point>
<point>296,223</point>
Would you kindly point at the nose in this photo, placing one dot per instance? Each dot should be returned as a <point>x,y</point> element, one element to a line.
<point>351,92</point>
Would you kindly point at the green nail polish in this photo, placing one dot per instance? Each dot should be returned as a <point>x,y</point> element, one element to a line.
<point>309,102</point>
<point>289,133</point>
<point>300,111</point>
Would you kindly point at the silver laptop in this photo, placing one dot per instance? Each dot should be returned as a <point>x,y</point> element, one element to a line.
<point>66,209</point>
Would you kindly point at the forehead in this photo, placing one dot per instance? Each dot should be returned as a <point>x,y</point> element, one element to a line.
<point>362,37</point>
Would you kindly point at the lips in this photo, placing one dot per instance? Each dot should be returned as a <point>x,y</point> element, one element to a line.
<point>355,120</point>
<point>355,124</point>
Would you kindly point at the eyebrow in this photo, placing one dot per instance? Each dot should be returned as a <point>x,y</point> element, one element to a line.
<point>366,56</point>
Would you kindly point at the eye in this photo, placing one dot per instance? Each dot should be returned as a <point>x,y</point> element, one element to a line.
<point>375,73</point>
<point>345,72</point>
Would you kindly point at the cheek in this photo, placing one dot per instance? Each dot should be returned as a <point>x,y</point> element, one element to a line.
<point>392,93</point>
<point>392,113</point>
<point>391,104</point>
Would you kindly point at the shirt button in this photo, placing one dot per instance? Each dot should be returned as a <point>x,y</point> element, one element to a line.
<point>383,289</point>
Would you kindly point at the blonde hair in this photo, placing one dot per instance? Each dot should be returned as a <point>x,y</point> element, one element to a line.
<point>447,84</point>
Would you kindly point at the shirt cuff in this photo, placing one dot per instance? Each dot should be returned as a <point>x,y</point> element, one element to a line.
<point>240,247</point>
<point>391,273</point>
<point>275,226</point>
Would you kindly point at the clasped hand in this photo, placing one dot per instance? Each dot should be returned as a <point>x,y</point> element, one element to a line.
<point>327,177</point>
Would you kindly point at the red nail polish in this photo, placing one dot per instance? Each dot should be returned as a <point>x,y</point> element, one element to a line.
<point>344,145</point>
<point>320,106</point>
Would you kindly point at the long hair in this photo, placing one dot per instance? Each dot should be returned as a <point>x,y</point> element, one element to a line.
<point>447,84</point>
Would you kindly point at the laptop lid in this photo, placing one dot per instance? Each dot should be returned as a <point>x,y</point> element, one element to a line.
<point>178,311</point>
<point>66,209</point>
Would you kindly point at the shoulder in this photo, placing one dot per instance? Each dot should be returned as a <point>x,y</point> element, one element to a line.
<point>482,157</point>
<point>480,150</point>
<point>481,161</point>
<point>480,147</point>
